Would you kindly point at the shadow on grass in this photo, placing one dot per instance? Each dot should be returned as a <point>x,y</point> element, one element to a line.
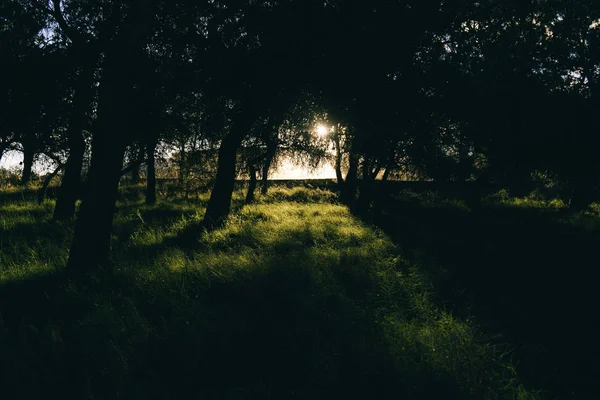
<point>521,273</point>
<point>281,329</point>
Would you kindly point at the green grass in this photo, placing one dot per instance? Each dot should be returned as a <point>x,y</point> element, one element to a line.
<point>293,298</point>
<point>522,267</point>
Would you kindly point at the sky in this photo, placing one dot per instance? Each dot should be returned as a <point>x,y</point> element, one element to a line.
<point>287,170</point>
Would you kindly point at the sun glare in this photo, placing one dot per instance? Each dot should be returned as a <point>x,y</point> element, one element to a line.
<point>322,130</point>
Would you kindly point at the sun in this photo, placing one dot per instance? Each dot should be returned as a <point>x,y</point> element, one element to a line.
<point>322,130</point>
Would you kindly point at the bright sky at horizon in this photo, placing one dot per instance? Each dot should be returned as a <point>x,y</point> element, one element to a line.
<point>287,170</point>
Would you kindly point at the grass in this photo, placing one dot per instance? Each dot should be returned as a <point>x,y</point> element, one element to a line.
<point>524,268</point>
<point>293,298</point>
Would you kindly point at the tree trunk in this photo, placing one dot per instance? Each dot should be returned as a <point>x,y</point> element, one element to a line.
<point>338,160</point>
<point>151,173</point>
<point>47,180</point>
<point>135,173</point>
<point>181,172</point>
<point>582,194</point>
<point>2,150</point>
<point>219,203</point>
<point>271,150</point>
<point>351,182</point>
<point>251,185</point>
<point>91,241</point>
<point>71,182</point>
<point>366,188</point>
<point>386,174</point>
<point>28,156</point>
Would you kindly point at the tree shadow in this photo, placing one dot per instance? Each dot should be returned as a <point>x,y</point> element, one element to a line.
<point>272,332</point>
<point>520,272</point>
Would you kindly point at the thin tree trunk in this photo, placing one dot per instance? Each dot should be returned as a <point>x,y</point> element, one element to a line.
<point>69,189</point>
<point>351,182</point>
<point>43,190</point>
<point>151,173</point>
<point>376,172</point>
<point>70,186</point>
<point>135,173</point>
<point>251,185</point>
<point>2,150</point>
<point>219,203</point>
<point>271,150</point>
<point>181,177</point>
<point>386,174</point>
<point>28,156</point>
<point>338,160</point>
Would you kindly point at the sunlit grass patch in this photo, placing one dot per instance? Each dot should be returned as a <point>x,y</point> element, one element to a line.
<point>299,194</point>
<point>292,289</point>
<point>532,201</point>
<point>30,243</point>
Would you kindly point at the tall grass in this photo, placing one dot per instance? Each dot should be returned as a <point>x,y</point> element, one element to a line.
<point>292,298</point>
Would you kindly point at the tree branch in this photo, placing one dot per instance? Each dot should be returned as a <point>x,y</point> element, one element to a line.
<point>132,166</point>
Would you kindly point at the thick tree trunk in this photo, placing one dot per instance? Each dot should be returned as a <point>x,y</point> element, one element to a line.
<point>271,150</point>
<point>252,185</point>
<point>70,186</point>
<point>28,156</point>
<point>219,203</point>
<point>151,173</point>
<point>91,241</point>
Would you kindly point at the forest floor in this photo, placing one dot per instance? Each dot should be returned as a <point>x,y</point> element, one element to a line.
<point>296,298</point>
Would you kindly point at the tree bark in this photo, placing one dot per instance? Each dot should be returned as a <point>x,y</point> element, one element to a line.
<point>338,160</point>
<point>28,156</point>
<point>70,186</point>
<point>219,203</point>
<point>151,173</point>
<point>47,180</point>
<point>351,182</point>
<point>135,173</point>
<point>252,185</point>
<point>366,188</point>
<point>386,174</point>
<point>91,240</point>
<point>271,150</point>
<point>69,189</point>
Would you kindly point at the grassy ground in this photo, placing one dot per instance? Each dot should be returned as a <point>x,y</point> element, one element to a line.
<point>293,298</point>
<point>524,268</point>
